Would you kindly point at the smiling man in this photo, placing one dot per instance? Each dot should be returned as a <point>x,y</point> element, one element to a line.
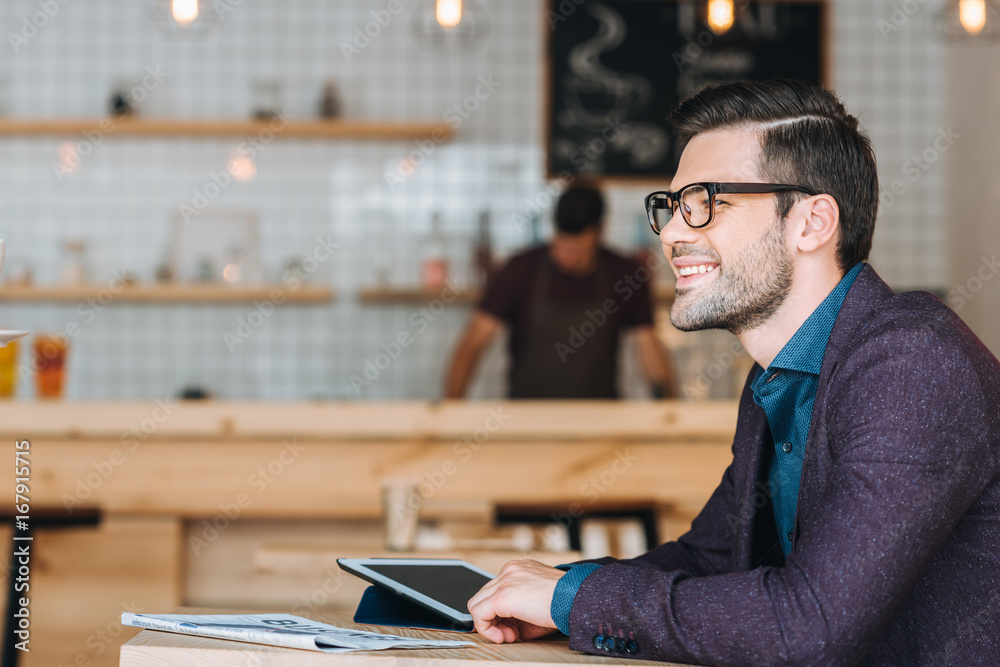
<point>859,521</point>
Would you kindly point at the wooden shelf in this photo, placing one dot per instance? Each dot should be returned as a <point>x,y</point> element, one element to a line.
<point>415,295</point>
<point>174,293</point>
<point>164,127</point>
<point>662,295</point>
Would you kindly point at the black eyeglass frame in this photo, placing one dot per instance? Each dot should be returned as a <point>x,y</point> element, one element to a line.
<point>713,189</point>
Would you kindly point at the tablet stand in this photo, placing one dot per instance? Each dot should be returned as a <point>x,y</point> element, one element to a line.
<point>380,606</point>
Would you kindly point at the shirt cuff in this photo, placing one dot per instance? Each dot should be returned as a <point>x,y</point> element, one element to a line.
<point>565,593</point>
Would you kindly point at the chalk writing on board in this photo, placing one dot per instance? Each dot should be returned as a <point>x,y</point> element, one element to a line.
<point>618,96</point>
<point>619,67</point>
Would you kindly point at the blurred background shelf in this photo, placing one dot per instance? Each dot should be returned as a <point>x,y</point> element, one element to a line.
<point>164,127</point>
<point>164,294</point>
<point>416,295</point>
<point>663,295</point>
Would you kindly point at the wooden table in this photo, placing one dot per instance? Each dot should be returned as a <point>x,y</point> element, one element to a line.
<point>163,649</point>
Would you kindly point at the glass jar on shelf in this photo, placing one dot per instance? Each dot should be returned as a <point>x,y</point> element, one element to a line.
<point>74,268</point>
<point>434,264</point>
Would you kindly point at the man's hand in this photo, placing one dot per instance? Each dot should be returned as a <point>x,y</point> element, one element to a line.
<point>517,604</point>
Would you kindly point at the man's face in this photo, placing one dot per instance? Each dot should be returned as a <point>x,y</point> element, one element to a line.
<point>742,263</point>
<point>574,253</point>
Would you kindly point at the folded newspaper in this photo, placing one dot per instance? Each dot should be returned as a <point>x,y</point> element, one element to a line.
<point>283,630</point>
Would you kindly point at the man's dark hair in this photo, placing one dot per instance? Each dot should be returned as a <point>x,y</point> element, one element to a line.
<point>580,207</point>
<point>807,138</point>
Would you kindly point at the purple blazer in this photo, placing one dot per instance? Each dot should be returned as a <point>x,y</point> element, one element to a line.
<point>896,552</point>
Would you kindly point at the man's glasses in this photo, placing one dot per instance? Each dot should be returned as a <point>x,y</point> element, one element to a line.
<point>697,201</point>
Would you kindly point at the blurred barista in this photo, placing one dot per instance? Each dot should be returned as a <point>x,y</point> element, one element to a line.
<point>566,304</point>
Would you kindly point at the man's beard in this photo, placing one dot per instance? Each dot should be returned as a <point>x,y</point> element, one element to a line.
<point>747,290</point>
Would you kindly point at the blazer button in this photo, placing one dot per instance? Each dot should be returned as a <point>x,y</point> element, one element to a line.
<point>619,645</point>
<point>599,642</point>
<point>787,448</point>
<point>631,647</point>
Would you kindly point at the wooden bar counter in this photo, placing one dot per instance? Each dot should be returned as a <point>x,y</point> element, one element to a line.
<point>196,498</point>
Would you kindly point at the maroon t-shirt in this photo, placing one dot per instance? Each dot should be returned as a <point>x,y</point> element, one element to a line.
<point>508,295</point>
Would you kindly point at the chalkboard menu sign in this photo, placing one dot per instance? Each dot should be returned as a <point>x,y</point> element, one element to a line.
<point>616,68</point>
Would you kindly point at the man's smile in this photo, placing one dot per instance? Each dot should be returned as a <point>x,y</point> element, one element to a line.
<point>701,268</point>
<point>691,270</point>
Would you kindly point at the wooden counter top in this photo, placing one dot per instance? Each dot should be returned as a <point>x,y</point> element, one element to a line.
<point>195,459</point>
<point>663,421</point>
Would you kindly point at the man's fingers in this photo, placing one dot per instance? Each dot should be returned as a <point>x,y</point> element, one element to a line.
<point>508,630</point>
<point>483,593</point>
<point>497,630</point>
<point>493,633</point>
<point>506,572</point>
<point>488,589</point>
<point>490,621</point>
<point>484,617</point>
<point>486,628</point>
<point>501,609</point>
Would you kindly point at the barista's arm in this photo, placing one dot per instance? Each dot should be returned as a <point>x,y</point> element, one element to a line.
<point>481,330</point>
<point>655,362</point>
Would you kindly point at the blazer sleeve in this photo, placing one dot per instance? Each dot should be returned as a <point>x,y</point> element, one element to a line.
<point>908,432</point>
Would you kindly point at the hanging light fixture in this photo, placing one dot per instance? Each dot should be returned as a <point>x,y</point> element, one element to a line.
<point>183,18</point>
<point>721,14</point>
<point>449,24</point>
<point>448,13</point>
<point>184,11</point>
<point>970,20</point>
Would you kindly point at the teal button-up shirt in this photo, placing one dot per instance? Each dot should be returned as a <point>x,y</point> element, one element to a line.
<point>786,390</point>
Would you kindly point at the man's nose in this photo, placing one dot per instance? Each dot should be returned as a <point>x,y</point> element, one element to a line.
<point>677,232</point>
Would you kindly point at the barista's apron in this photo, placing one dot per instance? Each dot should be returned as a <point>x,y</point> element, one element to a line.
<point>590,353</point>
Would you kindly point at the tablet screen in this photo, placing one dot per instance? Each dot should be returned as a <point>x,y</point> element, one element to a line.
<point>450,585</point>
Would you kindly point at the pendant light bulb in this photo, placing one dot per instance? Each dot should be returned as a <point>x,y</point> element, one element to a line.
<point>721,14</point>
<point>448,13</point>
<point>184,11</point>
<point>972,15</point>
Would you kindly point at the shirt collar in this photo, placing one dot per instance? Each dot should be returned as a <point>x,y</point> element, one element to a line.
<point>805,350</point>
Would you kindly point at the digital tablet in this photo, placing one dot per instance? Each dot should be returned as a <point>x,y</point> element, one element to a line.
<point>444,586</point>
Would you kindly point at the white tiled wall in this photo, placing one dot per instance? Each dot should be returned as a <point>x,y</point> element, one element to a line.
<point>122,197</point>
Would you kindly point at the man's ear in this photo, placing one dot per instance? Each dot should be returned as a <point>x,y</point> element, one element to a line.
<point>820,218</point>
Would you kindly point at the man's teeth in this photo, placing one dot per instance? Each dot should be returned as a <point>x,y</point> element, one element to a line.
<point>701,268</point>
